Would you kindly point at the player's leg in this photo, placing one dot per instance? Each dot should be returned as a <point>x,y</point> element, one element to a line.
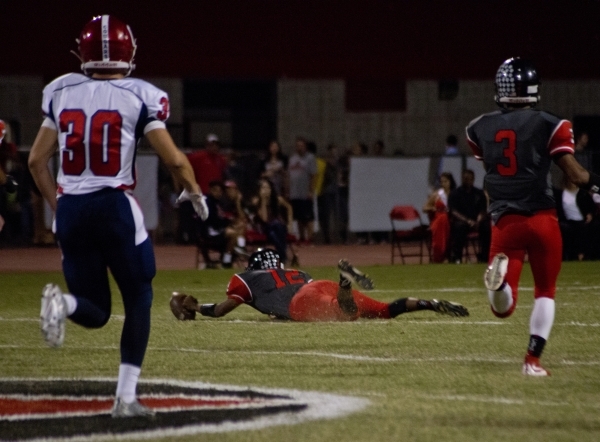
<point>504,271</point>
<point>407,305</point>
<point>130,257</point>
<point>545,256</point>
<point>316,302</point>
<point>88,303</point>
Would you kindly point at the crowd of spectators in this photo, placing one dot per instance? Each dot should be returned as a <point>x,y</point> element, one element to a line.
<point>282,197</point>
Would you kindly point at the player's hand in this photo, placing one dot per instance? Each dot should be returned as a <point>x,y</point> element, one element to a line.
<point>198,201</point>
<point>183,306</point>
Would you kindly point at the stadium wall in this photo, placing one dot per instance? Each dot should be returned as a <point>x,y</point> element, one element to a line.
<point>316,109</point>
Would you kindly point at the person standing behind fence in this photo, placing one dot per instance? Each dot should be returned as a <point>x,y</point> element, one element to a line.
<point>274,167</point>
<point>96,119</point>
<point>436,208</point>
<point>302,168</point>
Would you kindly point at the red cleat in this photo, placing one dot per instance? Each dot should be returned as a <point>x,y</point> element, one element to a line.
<point>532,367</point>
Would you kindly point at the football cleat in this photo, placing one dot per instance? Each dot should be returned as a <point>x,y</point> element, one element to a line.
<point>532,367</point>
<point>53,315</point>
<point>122,409</point>
<point>496,271</point>
<point>354,275</point>
<point>448,308</point>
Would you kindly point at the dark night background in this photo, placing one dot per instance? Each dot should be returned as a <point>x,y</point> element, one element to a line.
<point>360,40</point>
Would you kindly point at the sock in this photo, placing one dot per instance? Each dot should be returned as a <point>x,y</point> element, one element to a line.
<point>536,346</point>
<point>501,300</point>
<point>71,302</point>
<point>127,383</point>
<point>241,241</point>
<point>227,258</point>
<point>542,317</point>
<point>397,307</point>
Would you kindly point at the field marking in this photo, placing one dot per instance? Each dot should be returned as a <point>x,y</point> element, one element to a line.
<point>364,322</point>
<point>342,356</point>
<point>319,406</point>
<point>499,400</point>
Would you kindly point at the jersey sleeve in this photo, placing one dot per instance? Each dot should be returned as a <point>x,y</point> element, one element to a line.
<point>157,106</point>
<point>472,140</point>
<point>238,290</point>
<point>561,140</point>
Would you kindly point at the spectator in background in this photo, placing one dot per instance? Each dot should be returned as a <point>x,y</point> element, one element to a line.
<point>209,165</point>
<point>575,209</point>
<point>272,215</point>
<point>235,170</point>
<point>436,208</point>
<point>302,168</point>
<point>582,155</point>
<point>358,150</point>
<point>274,167</point>
<point>326,189</point>
<point>450,150</point>
<point>216,232</point>
<point>9,161</point>
<point>467,206</point>
<point>343,175</point>
<point>232,207</point>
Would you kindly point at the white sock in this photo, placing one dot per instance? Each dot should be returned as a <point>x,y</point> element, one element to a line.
<point>241,241</point>
<point>71,303</point>
<point>501,300</point>
<point>227,258</point>
<point>127,383</point>
<point>542,317</point>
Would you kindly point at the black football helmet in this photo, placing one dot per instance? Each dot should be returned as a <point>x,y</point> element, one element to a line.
<point>264,259</point>
<point>517,83</point>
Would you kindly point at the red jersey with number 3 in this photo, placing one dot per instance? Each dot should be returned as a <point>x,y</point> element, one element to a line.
<point>517,147</point>
<point>268,291</point>
<point>98,135</point>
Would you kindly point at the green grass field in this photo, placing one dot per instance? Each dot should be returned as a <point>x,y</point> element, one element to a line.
<point>427,376</point>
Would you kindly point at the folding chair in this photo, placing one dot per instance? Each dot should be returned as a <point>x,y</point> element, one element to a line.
<point>410,237</point>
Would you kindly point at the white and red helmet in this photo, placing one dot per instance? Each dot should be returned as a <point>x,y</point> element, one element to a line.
<point>106,45</point>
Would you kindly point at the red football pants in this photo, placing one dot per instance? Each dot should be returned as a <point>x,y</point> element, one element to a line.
<point>317,301</point>
<point>538,236</point>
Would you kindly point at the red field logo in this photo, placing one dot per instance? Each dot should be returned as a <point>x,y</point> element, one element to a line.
<point>64,409</point>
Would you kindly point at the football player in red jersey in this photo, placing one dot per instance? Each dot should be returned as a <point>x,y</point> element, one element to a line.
<point>292,294</point>
<point>96,119</point>
<point>517,145</point>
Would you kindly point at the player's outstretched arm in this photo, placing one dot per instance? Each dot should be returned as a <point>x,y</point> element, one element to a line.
<point>185,307</point>
<point>217,310</point>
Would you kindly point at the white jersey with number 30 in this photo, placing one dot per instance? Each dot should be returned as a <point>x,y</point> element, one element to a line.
<point>99,124</point>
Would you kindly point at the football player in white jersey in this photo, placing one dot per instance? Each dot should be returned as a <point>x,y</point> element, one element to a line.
<point>97,119</point>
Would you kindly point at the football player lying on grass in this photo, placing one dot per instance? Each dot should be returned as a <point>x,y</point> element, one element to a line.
<point>292,294</point>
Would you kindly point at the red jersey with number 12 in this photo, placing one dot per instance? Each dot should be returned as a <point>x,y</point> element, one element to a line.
<point>517,147</point>
<point>268,291</point>
<point>98,135</point>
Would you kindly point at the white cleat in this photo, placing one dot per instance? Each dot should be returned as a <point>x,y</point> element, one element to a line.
<point>53,315</point>
<point>532,367</point>
<point>496,271</point>
<point>122,409</point>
